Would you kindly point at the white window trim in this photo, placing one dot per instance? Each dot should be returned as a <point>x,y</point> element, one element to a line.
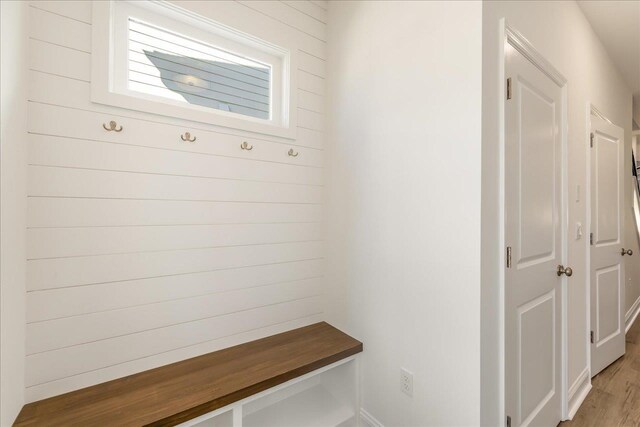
<point>106,85</point>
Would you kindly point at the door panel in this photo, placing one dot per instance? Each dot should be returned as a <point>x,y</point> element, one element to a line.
<point>537,176</point>
<point>607,189</point>
<point>608,302</point>
<point>537,350</point>
<point>607,268</point>
<point>533,191</point>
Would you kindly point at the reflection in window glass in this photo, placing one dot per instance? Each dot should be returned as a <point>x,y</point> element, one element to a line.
<point>166,64</point>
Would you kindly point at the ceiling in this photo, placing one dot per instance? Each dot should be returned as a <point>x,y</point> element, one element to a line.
<point>617,24</point>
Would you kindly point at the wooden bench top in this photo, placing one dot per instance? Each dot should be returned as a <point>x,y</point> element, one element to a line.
<point>175,393</point>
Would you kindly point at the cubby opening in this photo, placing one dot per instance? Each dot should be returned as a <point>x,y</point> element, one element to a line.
<point>224,419</point>
<point>326,399</point>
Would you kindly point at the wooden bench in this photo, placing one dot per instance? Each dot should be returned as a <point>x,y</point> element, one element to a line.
<point>182,391</point>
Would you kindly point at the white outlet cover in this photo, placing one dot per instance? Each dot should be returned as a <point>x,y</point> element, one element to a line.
<point>406,382</point>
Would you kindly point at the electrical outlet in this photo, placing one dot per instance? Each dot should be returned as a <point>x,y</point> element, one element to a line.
<point>406,382</point>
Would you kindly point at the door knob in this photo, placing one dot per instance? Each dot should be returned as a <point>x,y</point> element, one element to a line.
<point>626,252</point>
<point>565,270</point>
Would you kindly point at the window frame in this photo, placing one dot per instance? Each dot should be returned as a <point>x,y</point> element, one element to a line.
<point>109,79</point>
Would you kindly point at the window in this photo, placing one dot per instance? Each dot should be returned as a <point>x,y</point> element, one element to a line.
<point>171,65</point>
<point>166,60</point>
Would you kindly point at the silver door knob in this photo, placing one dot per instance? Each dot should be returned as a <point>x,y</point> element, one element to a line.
<point>626,252</point>
<point>567,271</point>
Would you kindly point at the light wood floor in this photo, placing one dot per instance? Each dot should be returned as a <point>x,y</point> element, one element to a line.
<point>614,399</point>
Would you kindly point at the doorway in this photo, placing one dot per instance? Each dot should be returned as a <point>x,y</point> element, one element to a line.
<point>607,251</point>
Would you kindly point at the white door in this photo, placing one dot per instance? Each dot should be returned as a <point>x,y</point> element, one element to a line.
<point>533,204</point>
<point>607,267</point>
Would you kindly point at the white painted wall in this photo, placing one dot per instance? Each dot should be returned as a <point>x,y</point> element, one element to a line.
<point>562,34</point>
<point>403,189</point>
<point>13,140</point>
<point>143,250</point>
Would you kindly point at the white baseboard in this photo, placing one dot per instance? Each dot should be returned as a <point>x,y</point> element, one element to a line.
<point>368,420</point>
<point>632,315</point>
<point>578,392</point>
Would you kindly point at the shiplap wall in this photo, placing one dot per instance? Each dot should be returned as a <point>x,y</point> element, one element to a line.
<point>142,249</point>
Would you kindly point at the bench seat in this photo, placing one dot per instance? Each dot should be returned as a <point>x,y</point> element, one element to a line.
<point>184,390</point>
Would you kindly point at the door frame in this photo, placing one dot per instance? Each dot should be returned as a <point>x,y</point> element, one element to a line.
<point>582,385</point>
<point>509,35</point>
<point>591,110</point>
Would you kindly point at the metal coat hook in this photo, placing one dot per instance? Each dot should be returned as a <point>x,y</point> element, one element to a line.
<point>245,146</point>
<point>187,137</point>
<point>293,153</point>
<point>113,126</point>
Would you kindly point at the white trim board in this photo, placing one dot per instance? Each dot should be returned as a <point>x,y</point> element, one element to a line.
<point>369,420</point>
<point>578,392</point>
<point>591,111</point>
<point>631,315</point>
<point>522,45</point>
<point>600,115</point>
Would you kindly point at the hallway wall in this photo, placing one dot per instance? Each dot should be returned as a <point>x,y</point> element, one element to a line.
<point>403,202</point>
<point>562,34</point>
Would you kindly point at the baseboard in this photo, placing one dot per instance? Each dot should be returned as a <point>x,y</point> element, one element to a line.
<point>632,315</point>
<point>368,420</point>
<point>578,392</point>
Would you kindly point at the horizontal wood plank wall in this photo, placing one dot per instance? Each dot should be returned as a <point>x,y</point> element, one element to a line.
<point>144,250</point>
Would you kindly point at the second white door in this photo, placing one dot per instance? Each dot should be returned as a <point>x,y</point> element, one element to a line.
<point>607,245</point>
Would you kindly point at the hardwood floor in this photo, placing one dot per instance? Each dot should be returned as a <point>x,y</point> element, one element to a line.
<point>615,397</point>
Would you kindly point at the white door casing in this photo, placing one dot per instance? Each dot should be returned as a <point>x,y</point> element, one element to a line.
<point>607,261</point>
<point>534,126</point>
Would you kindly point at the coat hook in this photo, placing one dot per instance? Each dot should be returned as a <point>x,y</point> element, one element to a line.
<point>293,153</point>
<point>187,137</point>
<point>112,126</point>
<point>245,146</point>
